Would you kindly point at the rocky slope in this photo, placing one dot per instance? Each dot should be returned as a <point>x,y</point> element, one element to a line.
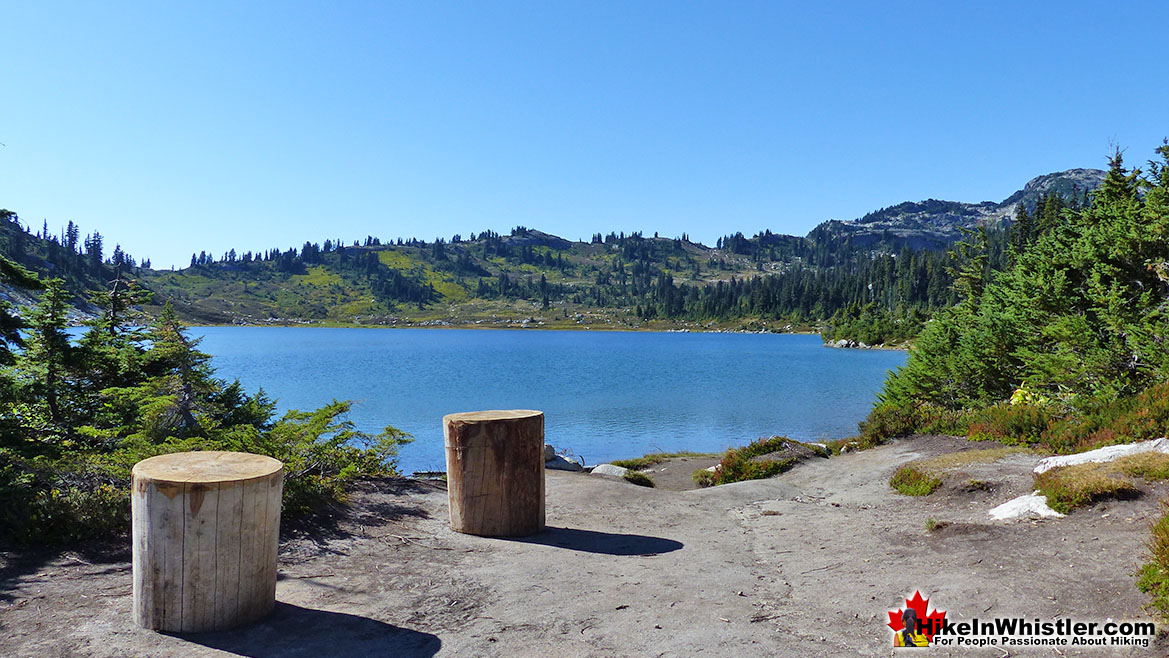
<point>934,224</point>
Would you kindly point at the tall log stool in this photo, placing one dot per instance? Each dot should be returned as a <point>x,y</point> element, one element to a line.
<point>495,472</point>
<point>206,532</point>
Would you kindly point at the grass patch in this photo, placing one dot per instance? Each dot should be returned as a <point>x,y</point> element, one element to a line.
<point>1069,487</point>
<point>964,458</point>
<point>922,477</point>
<point>1150,466</point>
<point>1153,577</point>
<point>655,458</point>
<point>912,480</point>
<point>640,479</point>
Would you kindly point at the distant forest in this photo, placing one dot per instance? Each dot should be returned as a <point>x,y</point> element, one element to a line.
<point>873,294</point>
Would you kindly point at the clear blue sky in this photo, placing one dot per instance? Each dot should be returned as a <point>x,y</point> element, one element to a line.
<point>178,127</point>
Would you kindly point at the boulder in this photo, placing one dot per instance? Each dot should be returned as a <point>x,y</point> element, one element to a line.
<point>559,463</point>
<point>610,469</point>
<point>549,452</point>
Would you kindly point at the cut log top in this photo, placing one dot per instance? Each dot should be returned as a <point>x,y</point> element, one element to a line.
<point>206,467</point>
<point>472,417</point>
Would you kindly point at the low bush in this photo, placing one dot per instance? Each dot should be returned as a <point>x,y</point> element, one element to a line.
<point>758,460</point>
<point>1012,424</point>
<point>704,478</point>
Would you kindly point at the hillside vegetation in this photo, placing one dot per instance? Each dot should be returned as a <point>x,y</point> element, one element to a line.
<point>872,280</point>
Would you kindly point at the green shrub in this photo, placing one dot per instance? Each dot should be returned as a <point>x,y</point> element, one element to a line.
<point>704,478</point>
<point>912,481</point>
<point>892,420</point>
<point>1011,424</point>
<point>77,496</point>
<point>759,460</point>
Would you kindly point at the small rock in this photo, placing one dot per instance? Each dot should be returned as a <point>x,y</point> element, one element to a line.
<point>549,452</point>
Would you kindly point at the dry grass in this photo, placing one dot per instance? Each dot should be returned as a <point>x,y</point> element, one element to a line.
<point>1151,466</point>
<point>954,460</point>
<point>1069,487</point>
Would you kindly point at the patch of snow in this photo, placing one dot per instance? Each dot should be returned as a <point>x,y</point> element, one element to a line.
<point>1105,454</point>
<point>1024,507</point>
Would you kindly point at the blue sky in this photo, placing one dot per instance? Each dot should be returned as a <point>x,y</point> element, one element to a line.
<point>180,127</point>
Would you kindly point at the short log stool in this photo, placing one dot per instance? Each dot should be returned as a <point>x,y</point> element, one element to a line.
<point>206,532</point>
<point>495,472</point>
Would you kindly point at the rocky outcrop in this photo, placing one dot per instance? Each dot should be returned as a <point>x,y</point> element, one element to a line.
<point>559,462</point>
<point>935,224</point>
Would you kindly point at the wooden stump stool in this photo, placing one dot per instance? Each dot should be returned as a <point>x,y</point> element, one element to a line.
<point>495,472</point>
<point>206,532</point>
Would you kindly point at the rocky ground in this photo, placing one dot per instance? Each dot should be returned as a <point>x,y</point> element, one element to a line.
<point>807,564</point>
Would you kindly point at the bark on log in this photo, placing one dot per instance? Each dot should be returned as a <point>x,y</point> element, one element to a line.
<point>495,472</point>
<point>206,528</point>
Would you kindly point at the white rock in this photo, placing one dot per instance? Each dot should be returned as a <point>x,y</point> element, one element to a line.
<point>549,452</point>
<point>1024,507</point>
<point>1105,454</point>
<point>610,469</point>
<point>713,469</point>
<point>561,464</point>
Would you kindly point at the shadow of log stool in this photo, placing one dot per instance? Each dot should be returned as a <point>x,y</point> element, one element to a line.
<point>495,472</point>
<point>206,532</point>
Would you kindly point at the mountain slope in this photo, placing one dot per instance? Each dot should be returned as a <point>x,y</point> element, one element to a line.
<point>617,279</point>
<point>934,224</point>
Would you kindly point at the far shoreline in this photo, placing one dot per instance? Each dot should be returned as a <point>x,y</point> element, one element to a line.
<point>553,329</point>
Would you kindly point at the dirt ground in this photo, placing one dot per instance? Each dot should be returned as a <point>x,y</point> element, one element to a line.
<point>807,564</point>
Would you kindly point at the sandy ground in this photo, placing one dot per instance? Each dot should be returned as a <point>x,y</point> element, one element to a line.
<point>807,564</point>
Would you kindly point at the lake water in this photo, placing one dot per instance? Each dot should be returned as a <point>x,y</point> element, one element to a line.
<point>605,395</point>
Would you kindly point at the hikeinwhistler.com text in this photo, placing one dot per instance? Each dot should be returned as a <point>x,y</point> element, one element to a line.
<point>1018,631</point>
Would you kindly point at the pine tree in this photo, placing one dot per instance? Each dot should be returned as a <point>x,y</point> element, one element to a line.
<point>48,355</point>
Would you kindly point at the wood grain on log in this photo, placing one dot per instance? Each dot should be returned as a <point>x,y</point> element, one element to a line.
<point>495,472</point>
<point>206,529</point>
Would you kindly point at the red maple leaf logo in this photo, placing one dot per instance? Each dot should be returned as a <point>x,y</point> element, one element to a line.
<point>930,623</point>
